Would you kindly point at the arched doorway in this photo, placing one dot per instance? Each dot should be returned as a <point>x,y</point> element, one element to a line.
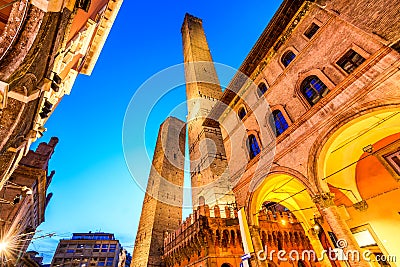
<point>226,265</point>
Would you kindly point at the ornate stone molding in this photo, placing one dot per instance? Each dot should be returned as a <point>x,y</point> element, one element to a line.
<point>361,206</point>
<point>324,200</point>
<point>13,27</point>
<point>282,39</point>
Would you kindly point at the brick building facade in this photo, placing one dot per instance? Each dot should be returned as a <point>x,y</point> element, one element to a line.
<point>24,199</point>
<point>310,125</point>
<point>44,45</point>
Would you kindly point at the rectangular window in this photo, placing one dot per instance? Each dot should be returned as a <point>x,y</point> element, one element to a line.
<point>309,33</point>
<point>394,161</point>
<point>364,239</point>
<point>113,246</point>
<point>104,246</point>
<point>80,245</point>
<point>70,250</point>
<point>97,246</point>
<point>350,61</point>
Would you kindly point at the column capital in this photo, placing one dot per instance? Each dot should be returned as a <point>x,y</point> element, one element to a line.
<point>361,206</point>
<point>324,199</point>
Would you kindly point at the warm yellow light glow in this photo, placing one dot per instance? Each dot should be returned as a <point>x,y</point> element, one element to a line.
<point>287,195</point>
<point>364,238</point>
<point>3,246</point>
<point>283,222</point>
<point>347,145</point>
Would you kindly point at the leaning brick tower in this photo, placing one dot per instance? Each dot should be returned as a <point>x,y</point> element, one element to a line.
<point>162,204</point>
<point>208,164</point>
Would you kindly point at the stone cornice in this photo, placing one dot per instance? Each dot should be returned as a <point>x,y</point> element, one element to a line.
<point>99,39</point>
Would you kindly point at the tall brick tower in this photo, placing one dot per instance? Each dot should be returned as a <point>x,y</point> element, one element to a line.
<point>162,204</point>
<point>208,165</point>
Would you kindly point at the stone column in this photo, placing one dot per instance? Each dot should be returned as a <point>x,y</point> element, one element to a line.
<point>318,248</point>
<point>328,209</point>
<point>257,244</point>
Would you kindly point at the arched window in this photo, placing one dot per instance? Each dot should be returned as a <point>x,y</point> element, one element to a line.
<point>254,148</point>
<point>313,89</point>
<point>242,112</point>
<point>279,121</point>
<point>261,89</point>
<point>287,58</point>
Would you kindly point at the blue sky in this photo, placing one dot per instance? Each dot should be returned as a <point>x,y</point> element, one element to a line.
<point>93,189</point>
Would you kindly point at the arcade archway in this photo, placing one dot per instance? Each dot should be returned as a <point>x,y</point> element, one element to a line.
<point>283,210</point>
<point>352,164</point>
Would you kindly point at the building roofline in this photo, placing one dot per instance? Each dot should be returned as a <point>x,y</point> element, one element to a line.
<point>268,37</point>
<point>275,28</point>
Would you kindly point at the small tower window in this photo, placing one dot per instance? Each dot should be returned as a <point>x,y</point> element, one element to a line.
<point>254,148</point>
<point>350,61</point>
<point>242,113</point>
<point>261,89</point>
<point>309,33</point>
<point>279,121</point>
<point>313,89</point>
<point>287,58</point>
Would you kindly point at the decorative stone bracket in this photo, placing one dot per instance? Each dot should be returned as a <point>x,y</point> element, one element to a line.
<point>324,199</point>
<point>361,206</point>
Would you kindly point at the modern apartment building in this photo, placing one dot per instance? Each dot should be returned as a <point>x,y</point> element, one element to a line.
<point>87,249</point>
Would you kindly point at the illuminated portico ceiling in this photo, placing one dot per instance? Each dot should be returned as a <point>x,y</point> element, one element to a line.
<point>287,191</point>
<point>338,158</point>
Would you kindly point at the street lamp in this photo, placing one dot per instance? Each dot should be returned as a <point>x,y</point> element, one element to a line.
<point>3,246</point>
